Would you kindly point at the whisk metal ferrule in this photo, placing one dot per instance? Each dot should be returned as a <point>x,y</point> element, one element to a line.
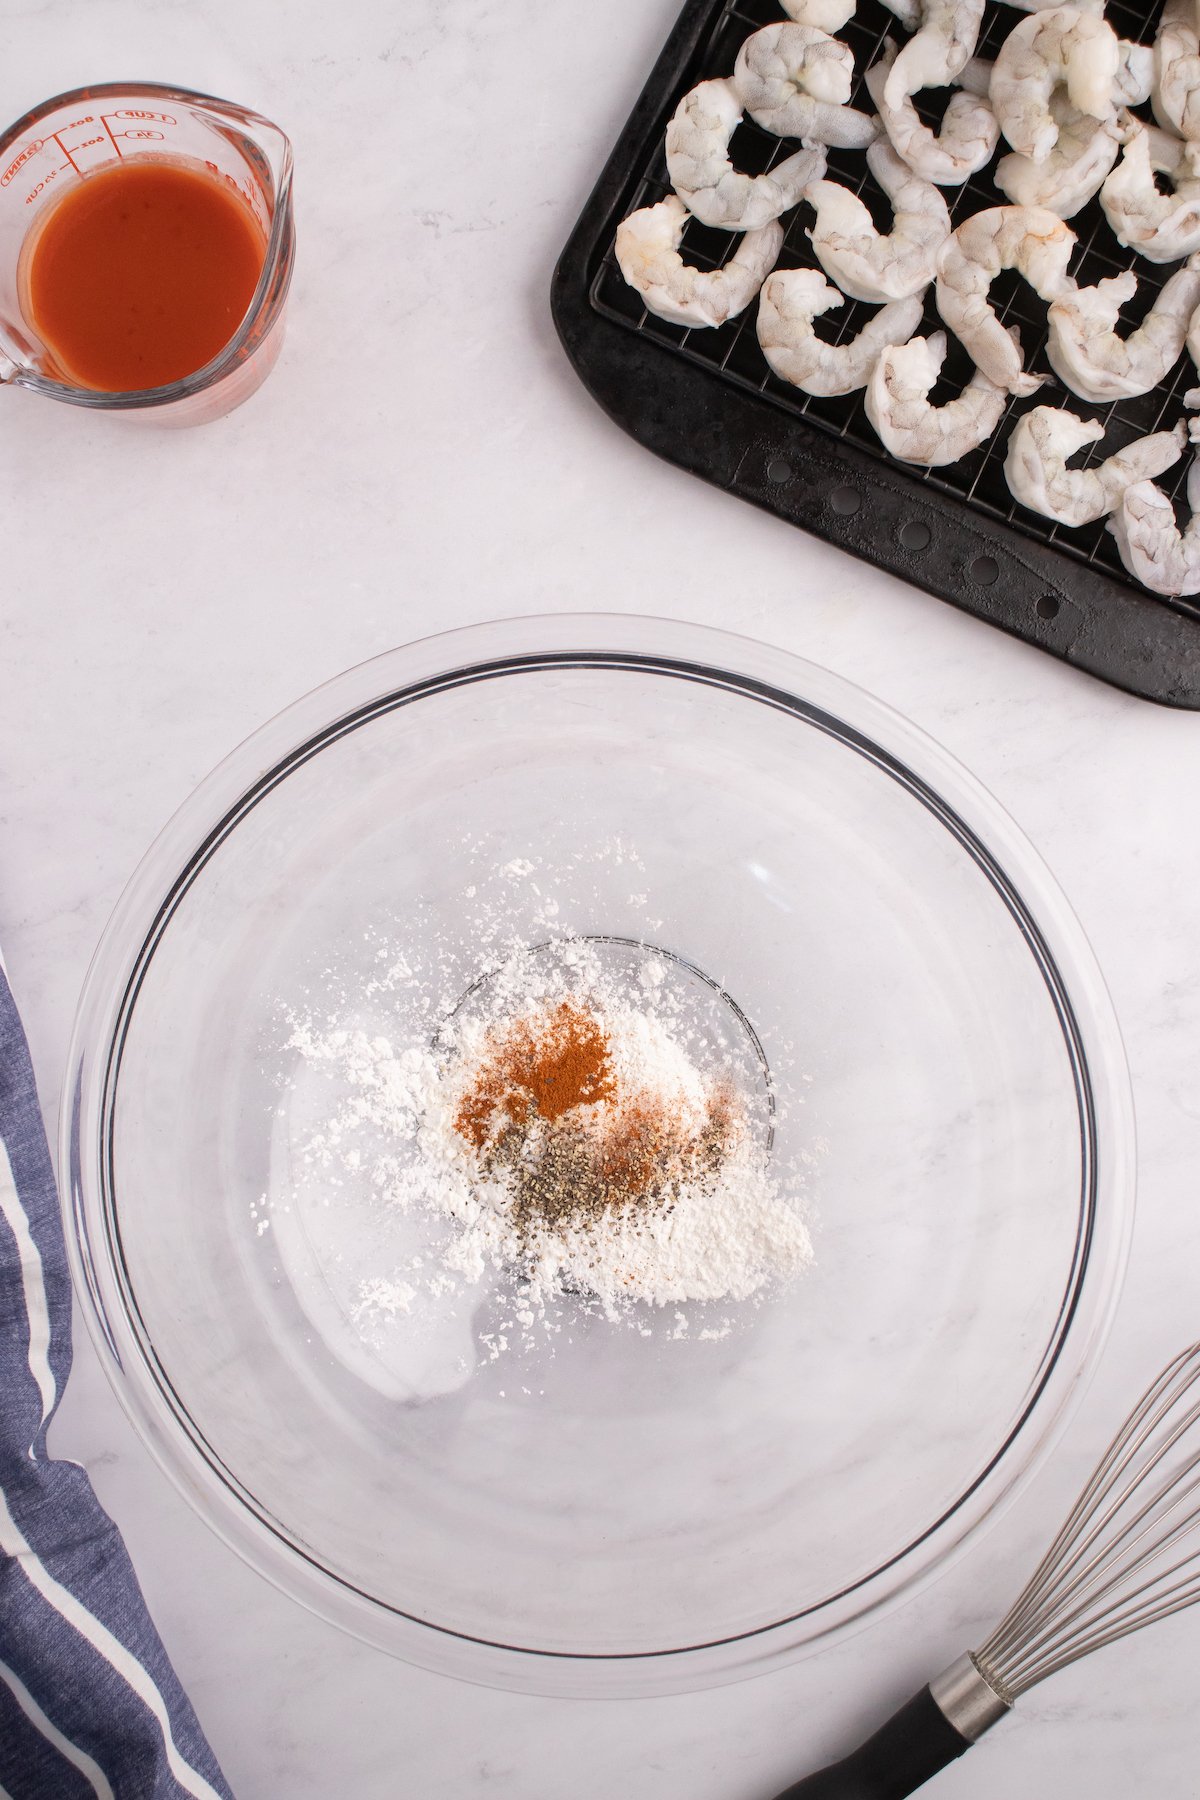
<point>969,1700</point>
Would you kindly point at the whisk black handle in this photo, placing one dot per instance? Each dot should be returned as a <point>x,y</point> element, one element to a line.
<point>915,1743</point>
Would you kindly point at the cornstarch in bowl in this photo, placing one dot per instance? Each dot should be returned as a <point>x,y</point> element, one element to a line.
<point>588,1128</point>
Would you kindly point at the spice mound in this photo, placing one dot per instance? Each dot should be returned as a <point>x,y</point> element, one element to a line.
<point>580,1133</point>
<point>591,1139</point>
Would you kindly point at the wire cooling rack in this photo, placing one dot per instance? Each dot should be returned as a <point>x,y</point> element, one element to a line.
<point>706,398</point>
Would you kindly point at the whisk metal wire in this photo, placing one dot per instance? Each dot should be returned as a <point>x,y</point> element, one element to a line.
<point>1128,1555</point>
<point>1112,1567</point>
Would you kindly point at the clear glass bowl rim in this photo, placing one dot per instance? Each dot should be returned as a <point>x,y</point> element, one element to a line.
<point>135,920</point>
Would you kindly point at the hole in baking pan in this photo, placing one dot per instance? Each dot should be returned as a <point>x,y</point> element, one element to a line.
<point>779,471</point>
<point>984,569</point>
<point>1047,606</point>
<point>845,500</point>
<point>915,534</point>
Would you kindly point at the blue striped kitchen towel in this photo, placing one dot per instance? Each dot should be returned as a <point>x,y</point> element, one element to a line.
<point>89,1703</point>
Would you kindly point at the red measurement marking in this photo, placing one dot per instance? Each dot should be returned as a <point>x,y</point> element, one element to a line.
<point>50,174</point>
<point>65,151</point>
<point>88,119</point>
<point>136,134</point>
<point>125,113</point>
<point>108,128</point>
<point>18,161</point>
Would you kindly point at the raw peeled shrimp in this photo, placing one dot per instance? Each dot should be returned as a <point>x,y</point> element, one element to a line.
<point>898,406</point>
<point>1085,351</point>
<point>1135,72</point>
<point>1063,45</point>
<point>1161,227</point>
<point>1075,169</point>
<point>648,253</point>
<point>1153,549</point>
<point>826,15</point>
<point>705,179</point>
<point>1030,239</point>
<point>853,253</point>
<point>944,40</point>
<point>791,300</point>
<point>794,80</point>
<point>908,12</point>
<point>975,77</point>
<point>1176,93</point>
<point>963,143</point>
<point>795,59</point>
<point>1038,476</point>
<point>1135,75</point>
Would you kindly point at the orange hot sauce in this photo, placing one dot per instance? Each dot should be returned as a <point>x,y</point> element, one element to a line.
<point>141,273</point>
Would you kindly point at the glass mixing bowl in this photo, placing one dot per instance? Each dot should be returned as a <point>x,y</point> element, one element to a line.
<point>613,1513</point>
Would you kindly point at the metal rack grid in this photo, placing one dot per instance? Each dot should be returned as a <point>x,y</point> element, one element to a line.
<point>732,350</point>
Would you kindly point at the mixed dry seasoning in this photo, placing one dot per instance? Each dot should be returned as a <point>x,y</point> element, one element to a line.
<point>542,1107</point>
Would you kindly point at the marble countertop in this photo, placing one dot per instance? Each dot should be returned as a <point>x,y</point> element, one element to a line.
<point>423,457</point>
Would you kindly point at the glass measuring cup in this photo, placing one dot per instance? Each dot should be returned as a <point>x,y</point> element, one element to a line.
<point>62,142</point>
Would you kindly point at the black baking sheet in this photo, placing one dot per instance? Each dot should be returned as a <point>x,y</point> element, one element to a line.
<point>705,399</point>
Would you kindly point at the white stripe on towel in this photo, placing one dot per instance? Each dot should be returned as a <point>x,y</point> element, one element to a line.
<point>37,1310</point>
<point>102,1640</point>
<point>79,1759</point>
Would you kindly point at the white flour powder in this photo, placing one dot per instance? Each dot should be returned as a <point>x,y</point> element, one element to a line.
<point>393,1124</point>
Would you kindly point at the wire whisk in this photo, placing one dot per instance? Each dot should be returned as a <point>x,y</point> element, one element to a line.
<point>1127,1555</point>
